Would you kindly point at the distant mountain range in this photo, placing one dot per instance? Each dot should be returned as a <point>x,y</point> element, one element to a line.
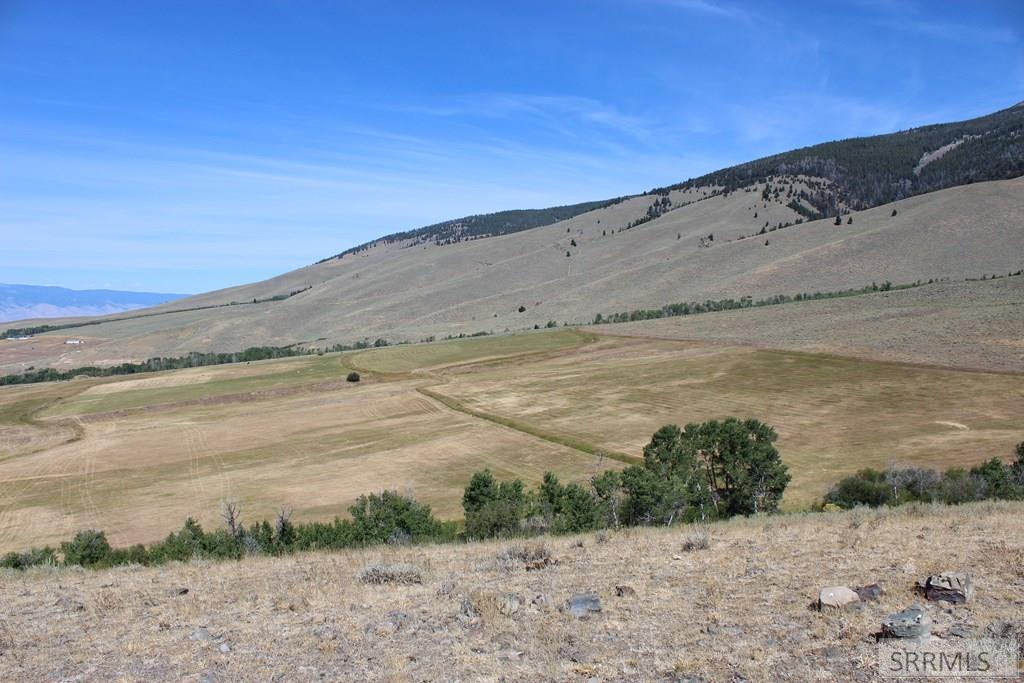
<point>23,302</point>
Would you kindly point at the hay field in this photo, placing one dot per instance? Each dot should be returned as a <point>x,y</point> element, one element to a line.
<point>136,455</point>
<point>834,414</point>
<point>737,610</point>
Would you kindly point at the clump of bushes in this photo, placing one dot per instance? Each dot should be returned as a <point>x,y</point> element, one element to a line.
<point>697,539</point>
<point>992,479</point>
<point>353,377</point>
<point>400,574</point>
<point>386,517</point>
<point>705,471</point>
<point>29,558</point>
<point>531,556</point>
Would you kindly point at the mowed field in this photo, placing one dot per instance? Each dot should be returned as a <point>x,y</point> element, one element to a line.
<point>136,455</point>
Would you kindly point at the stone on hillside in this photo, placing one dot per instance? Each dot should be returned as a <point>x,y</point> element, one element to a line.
<point>402,574</point>
<point>870,592</point>
<point>954,587</point>
<point>200,634</point>
<point>625,591</point>
<point>541,601</point>
<point>583,604</point>
<point>912,622</point>
<point>393,622</point>
<point>836,597</point>
<point>508,603</point>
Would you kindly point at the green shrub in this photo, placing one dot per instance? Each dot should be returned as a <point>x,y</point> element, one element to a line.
<point>492,508</point>
<point>30,558</point>
<point>384,517</point>
<point>353,377</point>
<point>89,548</point>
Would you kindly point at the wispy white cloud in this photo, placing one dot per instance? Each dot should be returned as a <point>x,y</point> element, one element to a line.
<point>561,112</point>
<point>707,7</point>
<point>783,122</point>
<point>963,33</point>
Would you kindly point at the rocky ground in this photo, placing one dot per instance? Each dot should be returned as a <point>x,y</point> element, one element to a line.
<point>734,603</point>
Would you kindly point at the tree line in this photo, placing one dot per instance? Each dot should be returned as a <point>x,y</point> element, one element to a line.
<point>702,472</point>
<point>710,306</point>
<point>992,479</point>
<point>190,360</point>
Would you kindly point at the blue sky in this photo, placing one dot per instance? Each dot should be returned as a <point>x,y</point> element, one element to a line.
<point>186,146</point>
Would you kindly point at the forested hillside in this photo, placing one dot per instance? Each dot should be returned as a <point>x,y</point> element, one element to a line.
<point>866,172</point>
<point>820,181</point>
<point>482,225</point>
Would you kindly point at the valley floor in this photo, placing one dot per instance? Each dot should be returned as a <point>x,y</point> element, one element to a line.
<point>737,610</point>
<point>136,455</point>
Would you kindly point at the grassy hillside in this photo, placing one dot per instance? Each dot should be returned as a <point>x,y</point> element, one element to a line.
<point>480,225</point>
<point>737,610</point>
<point>933,202</point>
<point>963,324</point>
<point>481,285</point>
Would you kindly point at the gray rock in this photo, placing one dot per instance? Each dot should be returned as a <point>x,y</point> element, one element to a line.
<point>959,631</point>
<point>836,597</point>
<point>541,601</point>
<point>1001,629</point>
<point>508,603</point>
<point>69,605</point>
<point>953,587</point>
<point>583,604</point>
<point>870,592</point>
<point>200,634</point>
<point>392,623</point>
<point>912,622</point>
<point>225,648</point>
<point>325,632</point>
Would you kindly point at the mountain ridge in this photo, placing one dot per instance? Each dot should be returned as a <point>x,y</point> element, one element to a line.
<point>679,244</point>
<point>18,301</point>
<point>997,139</point>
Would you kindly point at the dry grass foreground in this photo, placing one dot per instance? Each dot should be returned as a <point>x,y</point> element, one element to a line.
<point>135,456</point>
<point>737,610</point>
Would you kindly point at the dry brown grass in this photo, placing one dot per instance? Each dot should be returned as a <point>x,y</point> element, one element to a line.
<point>736,610</point>
<point>135,456</point>
<point>834,415</point>
<point>977,325</point>
<point>158,448</point>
